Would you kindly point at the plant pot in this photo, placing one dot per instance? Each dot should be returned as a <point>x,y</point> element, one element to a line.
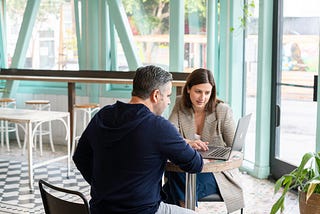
<point>312,206</point>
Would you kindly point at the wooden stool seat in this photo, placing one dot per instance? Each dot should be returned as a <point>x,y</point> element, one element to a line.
<point>7,100</point>
<point>87,105</point>
<point>5,126</point>
<point>37,102</point>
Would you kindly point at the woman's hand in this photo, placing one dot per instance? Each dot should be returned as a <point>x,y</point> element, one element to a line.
<point>198,145</point>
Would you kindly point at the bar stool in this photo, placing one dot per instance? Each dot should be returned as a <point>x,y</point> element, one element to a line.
<point>88,110</point>
<point>40,105</point>
<point>5,126</point>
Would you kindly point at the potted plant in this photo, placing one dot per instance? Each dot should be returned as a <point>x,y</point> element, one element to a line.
<point>306,179</point>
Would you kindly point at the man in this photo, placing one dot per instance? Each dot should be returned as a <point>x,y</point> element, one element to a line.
<point>123,151</point>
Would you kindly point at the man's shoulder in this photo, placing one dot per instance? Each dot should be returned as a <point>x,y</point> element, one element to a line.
<point>161,123</point>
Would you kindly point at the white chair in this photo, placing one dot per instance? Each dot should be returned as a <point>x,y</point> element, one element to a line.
<point>7,127</point>
<point>41,105</point>
<point>88,110</point>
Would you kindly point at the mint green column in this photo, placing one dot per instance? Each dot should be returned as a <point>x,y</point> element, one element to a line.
<point>262,152</point>
<point>93,48</point>
<point>176,43</point>
<point>3,43</point>
<point>224,34</point>
<point>113,45</point>
<point>81,60</point>
<point>120,20</point>
<point>231,69</point>
<point>104,38</point>
<point>236,61</point>
<point>212,38</point>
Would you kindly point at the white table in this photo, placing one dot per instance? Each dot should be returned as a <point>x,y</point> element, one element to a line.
<point>25,118</point>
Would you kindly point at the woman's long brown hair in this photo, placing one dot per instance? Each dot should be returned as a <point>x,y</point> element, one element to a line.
<point>196,77</point>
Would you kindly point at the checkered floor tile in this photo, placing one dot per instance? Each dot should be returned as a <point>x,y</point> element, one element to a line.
<point>15,196</point>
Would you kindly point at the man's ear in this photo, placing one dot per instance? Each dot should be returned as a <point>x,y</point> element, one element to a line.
<point>155,96</point>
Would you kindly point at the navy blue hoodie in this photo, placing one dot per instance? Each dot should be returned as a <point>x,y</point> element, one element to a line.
<point>122,155</point>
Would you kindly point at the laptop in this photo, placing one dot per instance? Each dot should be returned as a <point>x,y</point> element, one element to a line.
<point>223,153</point>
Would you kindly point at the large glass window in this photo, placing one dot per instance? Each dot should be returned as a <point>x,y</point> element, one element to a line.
<point>149,21</point>
<point>53,41</point>
<point>299,49</point>
<point>251,62</point>
<point>195,38</point>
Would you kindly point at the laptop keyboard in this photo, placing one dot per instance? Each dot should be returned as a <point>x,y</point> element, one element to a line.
<point>219,152</point>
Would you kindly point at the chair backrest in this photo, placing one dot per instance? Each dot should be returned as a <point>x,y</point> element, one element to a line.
<point>57,200</point>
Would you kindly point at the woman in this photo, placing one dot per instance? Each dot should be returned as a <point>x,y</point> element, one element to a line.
<point>203,120</point>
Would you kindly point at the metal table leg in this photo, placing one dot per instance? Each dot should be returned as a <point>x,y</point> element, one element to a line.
<point>190,198</point>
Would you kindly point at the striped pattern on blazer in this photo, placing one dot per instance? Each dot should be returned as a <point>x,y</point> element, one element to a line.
<point>218,129</point>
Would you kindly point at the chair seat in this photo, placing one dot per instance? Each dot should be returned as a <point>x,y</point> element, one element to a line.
<point>212,197</point>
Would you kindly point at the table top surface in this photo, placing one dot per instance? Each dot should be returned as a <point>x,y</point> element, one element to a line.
<point>235,161</point>
<point>28,115</point>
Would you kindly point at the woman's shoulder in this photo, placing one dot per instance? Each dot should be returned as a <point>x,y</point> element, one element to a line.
<point>223,107</point>
<point>179,103</point>
<point>180,107</point>
<point>223,110</point>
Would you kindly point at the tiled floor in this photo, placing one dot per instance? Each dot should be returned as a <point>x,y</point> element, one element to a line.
<point>16,198</point>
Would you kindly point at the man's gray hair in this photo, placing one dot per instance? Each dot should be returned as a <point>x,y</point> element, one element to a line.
<point>148,79</point>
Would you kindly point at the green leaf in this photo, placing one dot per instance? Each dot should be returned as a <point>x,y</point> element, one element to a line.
<point>306,177</point>
<point>317,164</point>
<point>306,157</point>
<point>276,206</point>
<point>311,189</point>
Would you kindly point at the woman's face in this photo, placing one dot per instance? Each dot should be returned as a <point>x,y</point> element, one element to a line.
<point>200,95</point>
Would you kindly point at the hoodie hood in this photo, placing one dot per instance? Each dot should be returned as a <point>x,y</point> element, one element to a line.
<point>116,121</point>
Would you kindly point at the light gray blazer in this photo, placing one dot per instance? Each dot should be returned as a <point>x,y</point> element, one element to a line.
<point>218,129</point>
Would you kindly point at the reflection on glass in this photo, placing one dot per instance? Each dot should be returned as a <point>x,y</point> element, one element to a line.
<point>149,22</point>
<point>299,64</point>
<point>251,60</point>
<point>53,41</point>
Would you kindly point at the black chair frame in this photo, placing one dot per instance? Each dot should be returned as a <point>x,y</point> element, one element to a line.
<point>55,205</point>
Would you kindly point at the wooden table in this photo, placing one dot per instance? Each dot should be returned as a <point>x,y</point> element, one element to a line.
<point>25,118</point>
<point>235,161</point>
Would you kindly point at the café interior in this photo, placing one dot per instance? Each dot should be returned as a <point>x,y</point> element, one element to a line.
<point>69,58</point>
